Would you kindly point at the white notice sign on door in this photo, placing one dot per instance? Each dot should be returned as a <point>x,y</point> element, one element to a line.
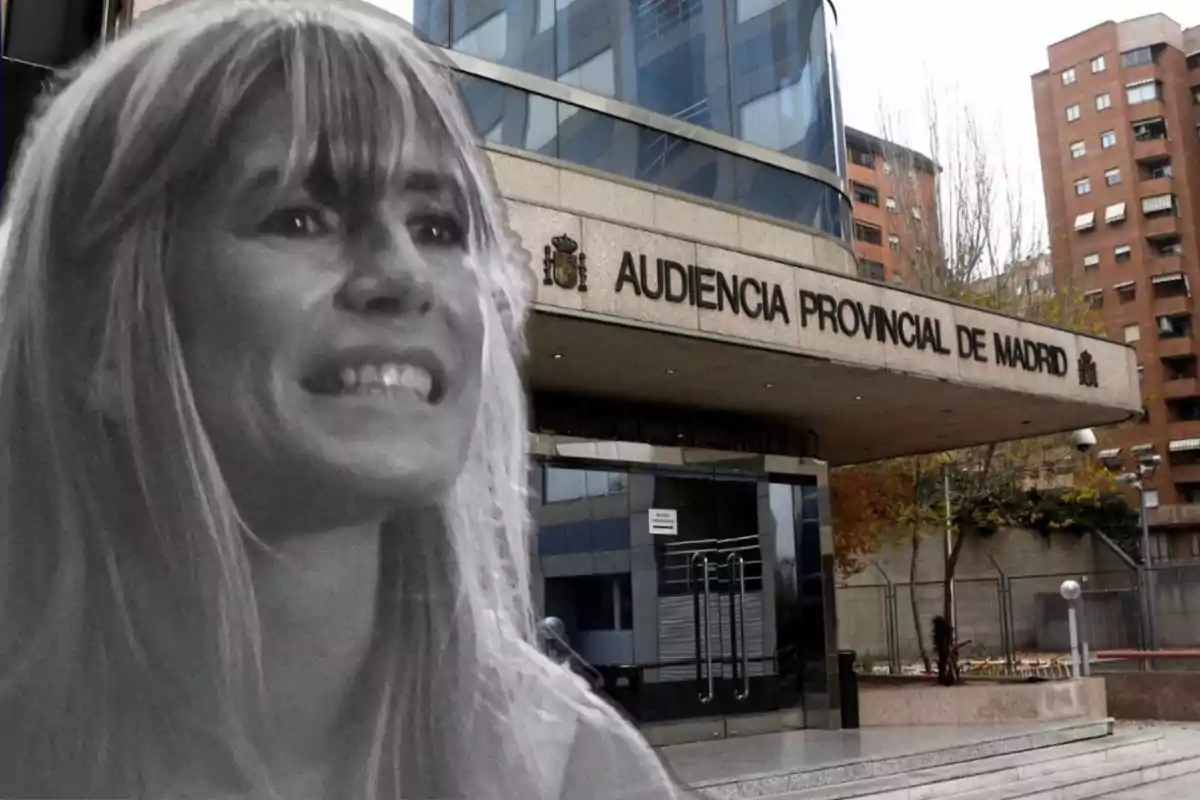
<point>664,522</point>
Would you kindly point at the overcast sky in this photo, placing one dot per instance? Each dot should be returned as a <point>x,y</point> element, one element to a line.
<point>981,55</point>
<point>977,56</point>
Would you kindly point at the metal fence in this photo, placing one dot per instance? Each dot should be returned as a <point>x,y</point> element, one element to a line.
<point>1007,624</point>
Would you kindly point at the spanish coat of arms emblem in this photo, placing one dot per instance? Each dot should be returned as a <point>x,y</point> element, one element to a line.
<point>563,265</point>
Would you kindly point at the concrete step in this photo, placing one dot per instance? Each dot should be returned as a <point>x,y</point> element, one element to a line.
<point>1179,788</point>
<point>989,772</point>
<point>830,775</point>
<point>1086,783</point>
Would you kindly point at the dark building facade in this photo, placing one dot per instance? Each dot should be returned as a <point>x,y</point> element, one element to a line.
<point>725,617</point>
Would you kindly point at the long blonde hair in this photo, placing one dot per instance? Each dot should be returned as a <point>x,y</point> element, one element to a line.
<point>118,538</point>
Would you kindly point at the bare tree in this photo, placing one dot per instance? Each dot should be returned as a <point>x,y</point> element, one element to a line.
<point>966,233</point>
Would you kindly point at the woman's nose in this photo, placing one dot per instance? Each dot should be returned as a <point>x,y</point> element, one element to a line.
<point>391,280</point>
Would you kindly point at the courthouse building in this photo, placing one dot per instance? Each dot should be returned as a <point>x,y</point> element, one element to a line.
<point>703,350</point>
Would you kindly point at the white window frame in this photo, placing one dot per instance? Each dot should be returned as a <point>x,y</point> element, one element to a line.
<point>1085,221</point>
<point>1114,213</point>
<point>892,205</point>
<point>1108,139</point>
<point>1132,333</point>
<point>893,241</point>
<point>1158,202</point>
<point>1078,149</point>
<point>1099,64</point>
<point>1103,101</point>
<point>1109,174</point>
<point>1091,260</point>
<point>1068,76</point>
<point>1122,250</point>
<point>1134,94</point>
<point>1073,112</point>
<point>1083,186</point>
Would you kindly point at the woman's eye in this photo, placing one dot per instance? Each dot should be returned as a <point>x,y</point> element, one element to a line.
<point>299,223</point>
<point>438,230</point>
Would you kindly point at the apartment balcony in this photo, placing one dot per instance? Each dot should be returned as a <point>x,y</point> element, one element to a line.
<point>1175,513</point>
<point>1185,473</point>
<point>1165,225</point>
<point>1180,387</point>
<point>1175,346</point>
<point>1149,188</point>
<point>1165,265</point>
<point>1175,304</point>
<point>1151,149</point>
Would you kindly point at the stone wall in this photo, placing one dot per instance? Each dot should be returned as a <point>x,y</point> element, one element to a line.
<point>982,703</point>
<point>1154,695</point>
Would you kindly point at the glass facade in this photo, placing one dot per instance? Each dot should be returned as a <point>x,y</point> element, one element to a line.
<point>724,617</point>
<point>757,70</point>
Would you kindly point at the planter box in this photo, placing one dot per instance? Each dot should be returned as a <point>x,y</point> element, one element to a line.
<point>982,703</point>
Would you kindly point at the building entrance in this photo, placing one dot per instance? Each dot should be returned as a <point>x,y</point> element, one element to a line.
<point>712,634</point>
<point>717,620</point>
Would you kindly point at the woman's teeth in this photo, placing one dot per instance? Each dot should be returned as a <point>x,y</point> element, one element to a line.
<point>391,378</point>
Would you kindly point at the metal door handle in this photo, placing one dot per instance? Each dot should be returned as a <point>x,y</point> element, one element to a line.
<point>706,656</point>
<point>741,623</point>
<point>734,635</point>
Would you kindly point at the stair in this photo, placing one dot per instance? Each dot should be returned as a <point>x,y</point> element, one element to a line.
<point>1068,763</point>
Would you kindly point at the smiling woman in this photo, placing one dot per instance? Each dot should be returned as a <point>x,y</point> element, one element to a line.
<point>263,522</point>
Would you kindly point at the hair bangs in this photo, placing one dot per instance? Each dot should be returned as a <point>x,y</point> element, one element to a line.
<point>359,113</point>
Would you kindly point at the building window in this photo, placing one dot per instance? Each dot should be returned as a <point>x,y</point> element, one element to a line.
<point>1159,205</point>
<point>1153,170</point>
<point>1175,327</point>
<point>916,212</point>
<point>1068,76</point>
<point>1147,130</point>
<point>487,40</point>
<point>1108,139</point>
<point>1112,176</point>
<point>1094,298</point>
<point>1091,260</point>
<point>1135,58</point>
<point>871,234</point>
<point>1126,291</point>
<point>1085,221</point>
<point>561,484</point>
<point>1122,253</point>
<point>866,194</point>
<point>871,270</point>
<point>864,158</point>
<point>1103,101</point>
<point>1142,92</point>
<point>1078,149</point>
<point>1196,95</point>
<point>1167,245</point>
<point>1083,186</point>
<point>1098,64</point>
<point>887,167</point>
<point>1133,333</point>
<point>1160,543</point>
<point>892,205</point>
<point>1073,112</point>
<point>1114,213</point>
<point>894,242</point>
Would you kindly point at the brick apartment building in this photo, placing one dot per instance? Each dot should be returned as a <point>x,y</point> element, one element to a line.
<point>1118,117</point>
<point>893,190</point>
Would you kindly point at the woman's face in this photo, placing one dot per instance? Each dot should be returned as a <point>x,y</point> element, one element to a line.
<point>333,338</point>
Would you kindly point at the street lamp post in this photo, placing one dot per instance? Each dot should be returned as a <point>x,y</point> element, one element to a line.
<point>1071,592</point>
<point>1146,466</point>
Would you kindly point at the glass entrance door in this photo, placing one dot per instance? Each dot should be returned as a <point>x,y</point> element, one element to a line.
<point>716,619</point>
